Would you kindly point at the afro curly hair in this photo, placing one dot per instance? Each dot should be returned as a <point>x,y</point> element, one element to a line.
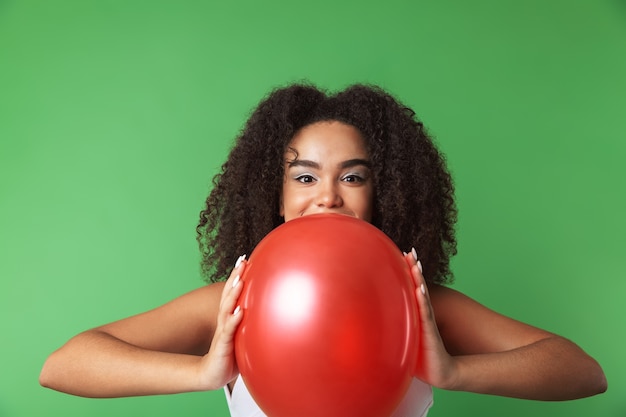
<point>414,194</point>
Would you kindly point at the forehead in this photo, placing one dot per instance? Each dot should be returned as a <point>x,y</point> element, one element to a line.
<point>328,139</point>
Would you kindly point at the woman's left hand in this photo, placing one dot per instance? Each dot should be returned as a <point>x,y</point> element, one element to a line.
<point>486,352</point>
<point>435,365</point>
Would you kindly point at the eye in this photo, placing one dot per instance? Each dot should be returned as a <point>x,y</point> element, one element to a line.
<point>353,178</point>
<point>305,178</point>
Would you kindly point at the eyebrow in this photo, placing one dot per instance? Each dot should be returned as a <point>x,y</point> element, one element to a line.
<point>343,165</point>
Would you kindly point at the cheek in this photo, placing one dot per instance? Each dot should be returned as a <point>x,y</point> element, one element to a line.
<point>286,198</point>
<point>366,205</point>
<point>288,204</point>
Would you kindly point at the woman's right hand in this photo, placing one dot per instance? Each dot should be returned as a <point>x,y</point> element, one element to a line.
<point>161,351</point>
<point>219,366</point>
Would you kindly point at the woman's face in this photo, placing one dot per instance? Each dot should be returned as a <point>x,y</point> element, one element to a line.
<point>327,170</point>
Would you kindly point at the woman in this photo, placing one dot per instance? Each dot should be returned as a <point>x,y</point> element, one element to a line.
<point>358,153</point>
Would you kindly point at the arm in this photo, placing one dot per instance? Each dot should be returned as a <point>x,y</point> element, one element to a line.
<point>184,345</point>
<point>469,347</point>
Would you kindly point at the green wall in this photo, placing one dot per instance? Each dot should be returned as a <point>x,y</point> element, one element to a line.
<point>114,116</point>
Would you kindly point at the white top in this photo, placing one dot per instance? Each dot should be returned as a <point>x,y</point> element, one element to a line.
<point>416,402</point>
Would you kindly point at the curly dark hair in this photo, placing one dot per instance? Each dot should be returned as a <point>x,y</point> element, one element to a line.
<point>414,194</point>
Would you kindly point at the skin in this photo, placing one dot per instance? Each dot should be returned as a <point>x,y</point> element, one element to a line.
<point>187,344</point>
<point>327,170</point>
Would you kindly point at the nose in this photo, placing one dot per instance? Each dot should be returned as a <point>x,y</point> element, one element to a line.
<point>328,196</point>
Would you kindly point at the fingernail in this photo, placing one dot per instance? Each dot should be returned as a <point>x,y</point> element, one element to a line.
<point>419,266</point>
<point>237,310</point>
<point>414,253</point>
<point>422,289</point>
<point>236,281</point>
<point>239,260</point>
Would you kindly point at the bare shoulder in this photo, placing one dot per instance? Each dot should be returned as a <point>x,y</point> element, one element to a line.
<point>449,305</point>
<point>448,302</point>
<point>204,298</point>
<point>468,327</point>
<point>184,325</point>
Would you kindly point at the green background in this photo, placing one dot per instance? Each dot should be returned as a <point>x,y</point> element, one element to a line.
<point>115,115</point>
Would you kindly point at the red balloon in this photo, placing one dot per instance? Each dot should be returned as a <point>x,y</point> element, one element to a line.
<point>330,324</point>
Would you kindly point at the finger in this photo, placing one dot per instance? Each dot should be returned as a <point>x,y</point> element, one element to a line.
<point>231,291</point>
<point>421,292</point>
<point>423,298</point>
<point>232,321</point>
<point>237,268</point>
<point>416,268</point>
<point>408,258</point>
<point>232,296</point>
<point>235,274</point>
